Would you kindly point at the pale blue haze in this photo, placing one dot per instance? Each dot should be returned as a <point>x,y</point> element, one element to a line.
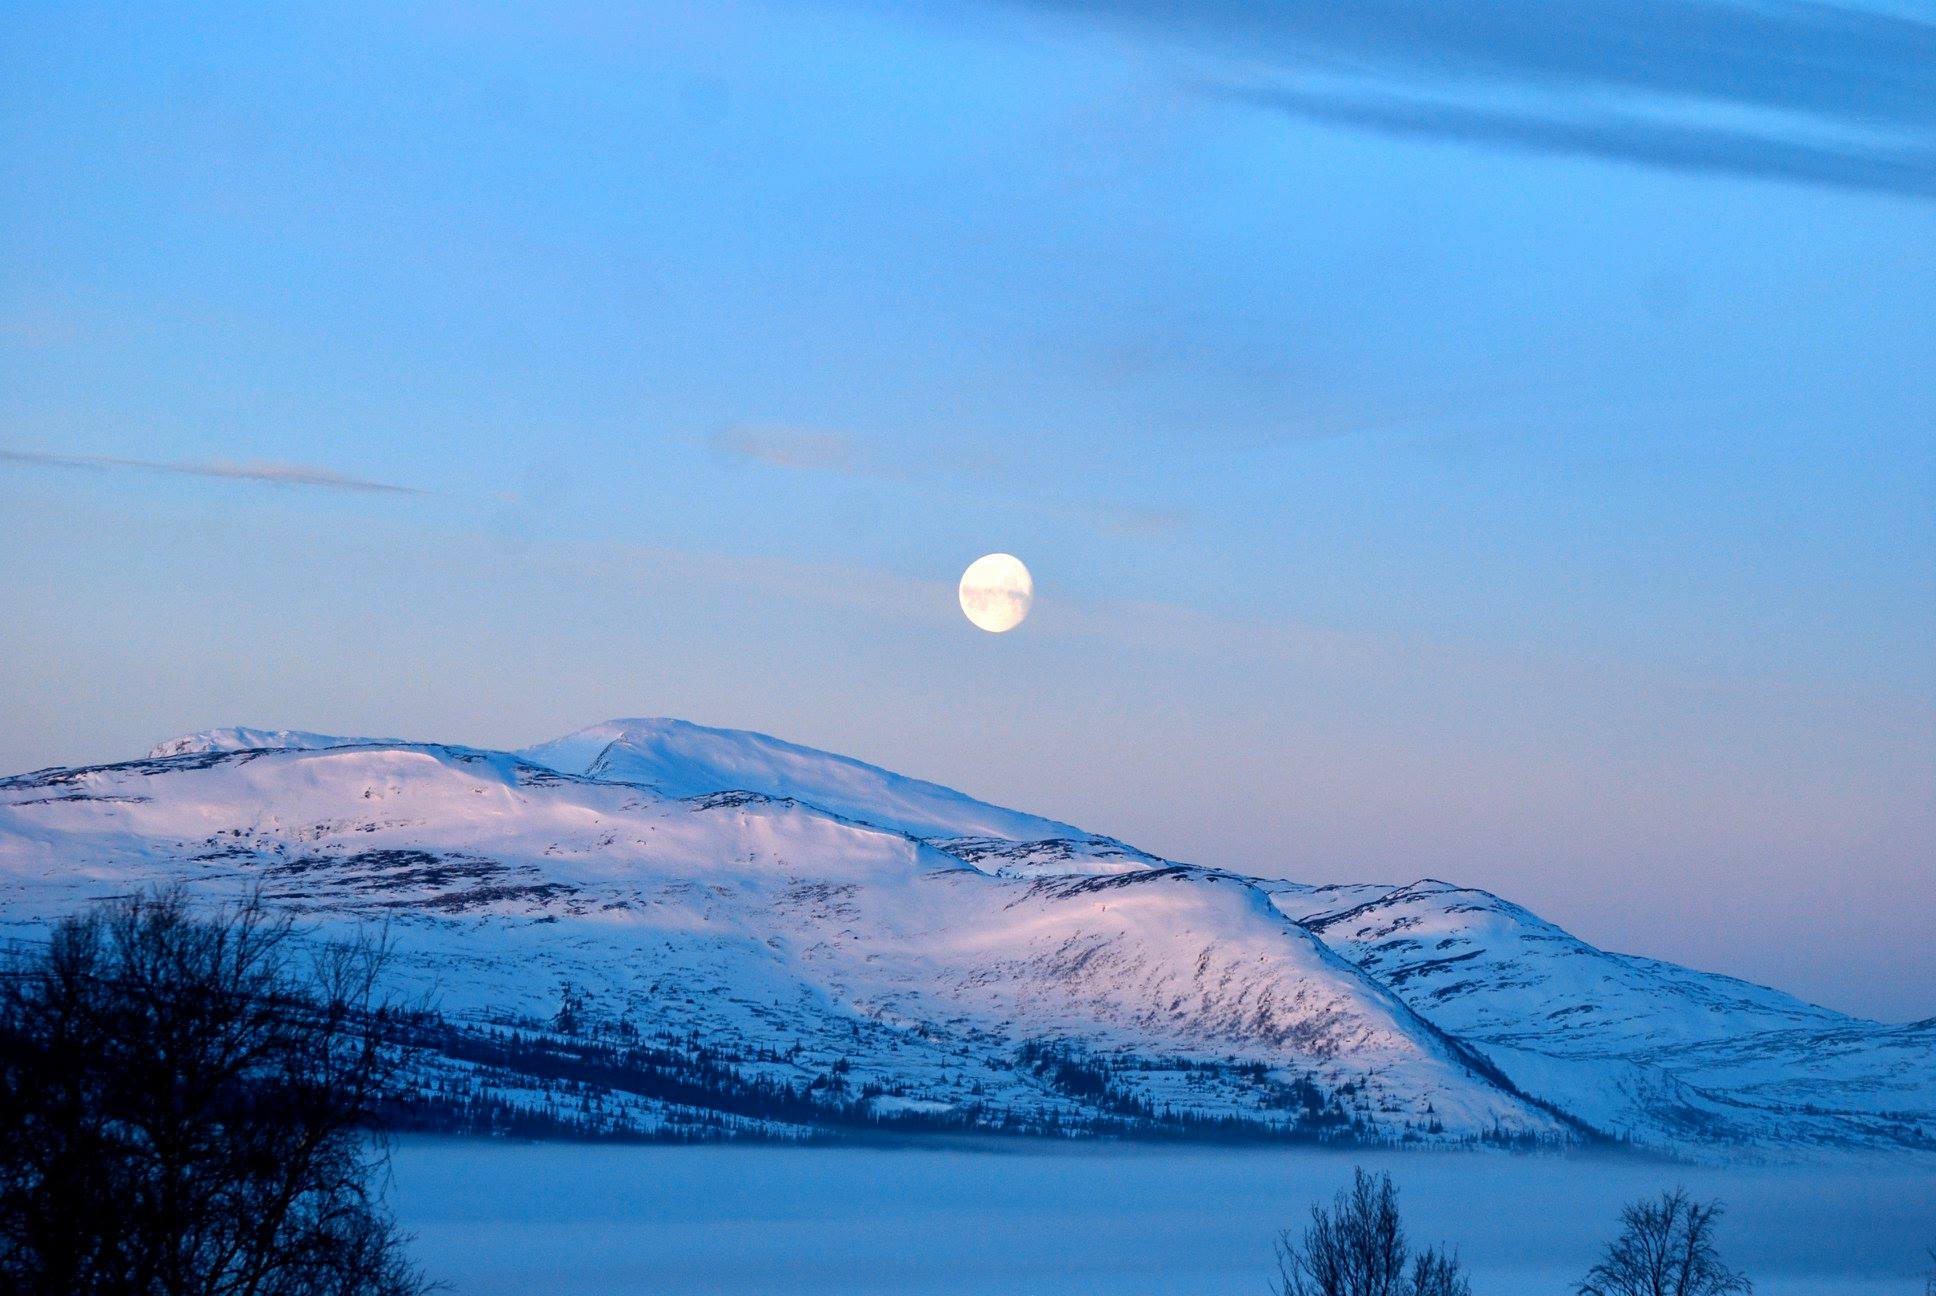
<point>1121,1220</point>
<point>1442,448</point>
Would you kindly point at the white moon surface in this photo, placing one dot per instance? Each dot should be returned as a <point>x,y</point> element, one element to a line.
<point>996,592</point>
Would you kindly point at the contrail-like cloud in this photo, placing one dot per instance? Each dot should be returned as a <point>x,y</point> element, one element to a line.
<point>803,449</point>
<point>274,474</point>
<point>1821,94</point>
<point>823,450</point>
<point>1910,172</point>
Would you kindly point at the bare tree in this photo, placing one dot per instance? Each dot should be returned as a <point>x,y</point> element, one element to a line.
<point>184,1104</point>
<point>1665,1248</point>
<point>1438,1273</point>
<point>1357,1248</point>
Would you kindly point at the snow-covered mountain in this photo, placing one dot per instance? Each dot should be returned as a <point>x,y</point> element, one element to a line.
<point>681,759</point>
<point>1637,1047</point>
<point>775,938</point>
<point>242,738</point>
<point>1491,969</point>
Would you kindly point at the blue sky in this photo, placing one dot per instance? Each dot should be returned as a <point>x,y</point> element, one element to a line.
<point>1447,440</point>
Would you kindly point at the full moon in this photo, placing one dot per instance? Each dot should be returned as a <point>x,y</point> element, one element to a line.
<point>996,592</point>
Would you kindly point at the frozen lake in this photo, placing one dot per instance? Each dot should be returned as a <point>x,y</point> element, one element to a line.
<point>1047,1221</point>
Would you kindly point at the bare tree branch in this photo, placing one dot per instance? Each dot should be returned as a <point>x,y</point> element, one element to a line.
<point>1665,1248</point>
<point>185,1109</point>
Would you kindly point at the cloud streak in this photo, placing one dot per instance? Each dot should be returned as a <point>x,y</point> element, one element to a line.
<point>1910,172</point>
<point>1808,92</point>
<point>801,449</point>
<point>816,450</point>
<point>1130,523</point>
<point>274,474</point>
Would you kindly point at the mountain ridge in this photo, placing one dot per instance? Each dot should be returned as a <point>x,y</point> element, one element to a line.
<point>934,958</point>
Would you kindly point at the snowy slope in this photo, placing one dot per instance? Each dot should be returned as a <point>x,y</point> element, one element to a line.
<point>242,738</point>
<point>907,948</point>
<point>1488,968</point>
<point>750,921</point>
<point>1639,1048</point>
<point>683,759</point>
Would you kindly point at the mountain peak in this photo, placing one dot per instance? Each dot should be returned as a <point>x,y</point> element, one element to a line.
<point>683,759</point>
<point>777,885</point>
<point>243,738</point>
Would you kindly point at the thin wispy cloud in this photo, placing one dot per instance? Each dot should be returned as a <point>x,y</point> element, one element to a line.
<point>1907,171</point>
<point>1815,93</point>
<point>816,450</point>
<point>274,474</point>
<point>802,449</point>
<point>1130,523</point>
<point>766,577</point>
<point>847,454</point>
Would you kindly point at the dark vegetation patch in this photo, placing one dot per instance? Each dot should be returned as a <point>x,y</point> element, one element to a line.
<point>60,776</point>
<point>1068,888</point>
<point>570,1078</point>
<point>455,883</point>
<point>1400,976</point>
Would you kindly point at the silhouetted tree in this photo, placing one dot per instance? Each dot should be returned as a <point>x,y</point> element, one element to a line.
<point>182,1110</point>
<point>1357,1248</point>
<point>1665,1248</point>
<point>570,1014</point>
<point>1438,1273</point>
